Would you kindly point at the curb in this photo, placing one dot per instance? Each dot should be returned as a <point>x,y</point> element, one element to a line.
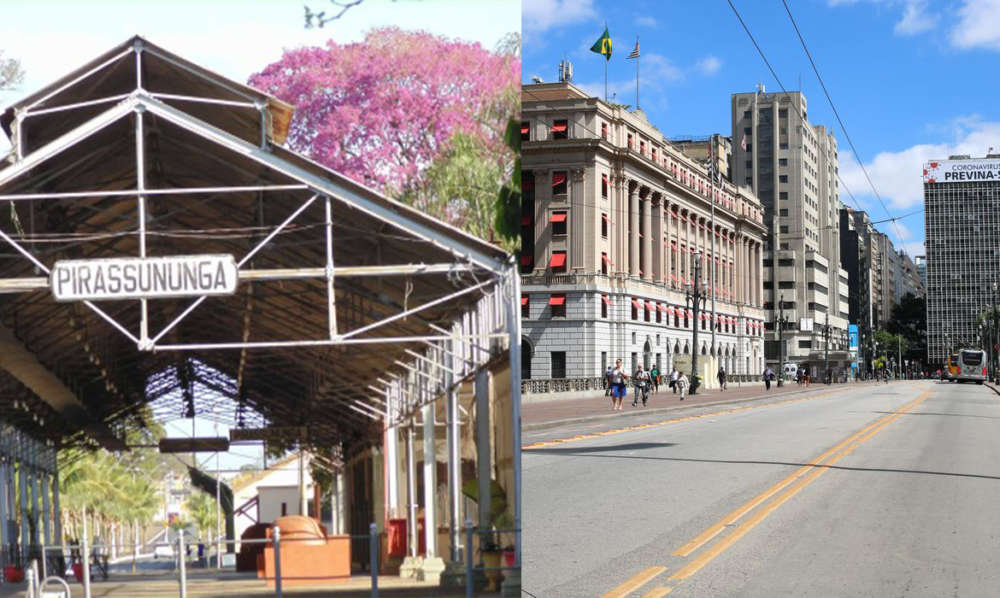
<point>987,385</point>
<point>576,420</point>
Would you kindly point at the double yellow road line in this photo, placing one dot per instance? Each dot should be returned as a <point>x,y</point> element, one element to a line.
<point>780,493</point>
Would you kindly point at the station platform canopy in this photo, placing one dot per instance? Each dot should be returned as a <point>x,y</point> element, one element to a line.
<point>157,236</point>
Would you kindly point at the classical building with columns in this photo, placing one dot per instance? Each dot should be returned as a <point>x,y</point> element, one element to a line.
<point>613,221</point>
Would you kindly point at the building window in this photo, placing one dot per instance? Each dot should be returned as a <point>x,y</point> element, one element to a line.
<point>783,229</point>
<point>630,141</point>
<point>604,225</point>
<point>605,302</point>
<point>605,262</point>
<point>782,161</point>
<point>746,114</point>
<point>654,154</point>
<point>783,212</point>
<point>659,317</point>
<point>749,164</point>
<point>558,220</point>
<point>645,310</point>
<point>559,365</point>
<point>559,182</point>
<point>783,113</point>
<point>560,129</point>
<point>786,284</point>
<point>642,147</point>
<point>557,303</point>
<point>558,261</point>
<point>785,262</point>
<point>604,186</point>
<point>635,310</point>
<point>782,194</point>
<point>782,178</point>
<point>783,146</point>
<point>749,147</point>
<point>527,263</point>
<point>805,344</point>
<point>525,131</point>
<point>525,307</point>
<point>749,180</point>
<point>604,130</point>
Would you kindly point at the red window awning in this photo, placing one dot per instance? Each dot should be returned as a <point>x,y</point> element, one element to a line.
<point>558,128</point>
<point>525,220</point>
<point>605,218</point>
<point>558,178</point>
<point>527,260</point>
<point>664,308</point>
<point>524,300</point>
<point>604,177</point>
<point>636,303</point>
<point>690,313</point>
<point>558,260</point>
<point>650,306</point>
<point>558,217</point>
<point>673,278</point>
<point>605,259</point>
<point>557,300</point>
<point>606,299</point>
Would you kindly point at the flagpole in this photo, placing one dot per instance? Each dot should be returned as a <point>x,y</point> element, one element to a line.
<point>637,78</point>
<point>605,81</point>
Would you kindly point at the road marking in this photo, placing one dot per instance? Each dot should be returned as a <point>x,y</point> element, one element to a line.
<point>657,593</point>
<point>713,530</point>
<point>546,443</point>
<point>635,582</point>
<point>854,441</point>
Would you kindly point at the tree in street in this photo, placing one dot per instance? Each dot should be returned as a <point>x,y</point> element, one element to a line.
<point>401,107</point>
<point>909,319</point>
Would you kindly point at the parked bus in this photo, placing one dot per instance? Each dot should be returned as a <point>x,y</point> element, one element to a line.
<point>970,366</point>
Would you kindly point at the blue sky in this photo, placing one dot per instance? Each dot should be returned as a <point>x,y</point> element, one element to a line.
<point>235,38</point>
<point>911,79</point>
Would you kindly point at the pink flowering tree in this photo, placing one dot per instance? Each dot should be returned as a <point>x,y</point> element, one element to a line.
<point>382,110</point>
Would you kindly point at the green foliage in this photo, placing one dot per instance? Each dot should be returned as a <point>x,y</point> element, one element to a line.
<point>909,319</point>
<point>202,510</point>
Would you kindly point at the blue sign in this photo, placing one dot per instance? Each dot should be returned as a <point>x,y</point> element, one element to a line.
<point>852,343</point>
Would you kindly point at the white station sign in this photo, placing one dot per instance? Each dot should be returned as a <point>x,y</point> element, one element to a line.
<point>143,278</point>
<point>962,171</point>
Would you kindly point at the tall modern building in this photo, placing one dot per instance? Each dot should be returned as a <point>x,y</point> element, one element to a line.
<point>909,279</point>
<point>920,262</point>
<point>962,225</point>
<point>792,167</point>
<point>614,219</point>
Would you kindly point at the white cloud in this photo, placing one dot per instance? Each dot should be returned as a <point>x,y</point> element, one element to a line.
<point>914,248</point>
<point>978,25</point>
<point>646,22</point>
<point>708,65</point>
<point>538,16</point>
<point>915,19</point>
<point>897,175</point>
<point>660,67</point>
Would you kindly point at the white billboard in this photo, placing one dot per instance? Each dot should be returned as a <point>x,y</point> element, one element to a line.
<point>962,171</point>
<point>145,278</point>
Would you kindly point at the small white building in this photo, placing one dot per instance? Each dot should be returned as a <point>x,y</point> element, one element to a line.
<point>264,496</point>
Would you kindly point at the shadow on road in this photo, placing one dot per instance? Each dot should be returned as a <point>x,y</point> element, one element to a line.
<point>589,452</point>
<point>632,446</point>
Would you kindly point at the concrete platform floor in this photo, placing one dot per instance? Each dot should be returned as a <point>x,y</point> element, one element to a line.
<point>227,584</point>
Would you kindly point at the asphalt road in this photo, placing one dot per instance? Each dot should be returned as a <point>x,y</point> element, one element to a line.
<point>890,490</point>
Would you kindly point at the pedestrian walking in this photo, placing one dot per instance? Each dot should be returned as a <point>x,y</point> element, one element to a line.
<point>618,388</point>
<point>722,379</point>
<point>805,377</point>
<point>654,378</point>
<point>798,378</point>
<point>768,376</point>
<point>641,381</point>
<point>673,380</point>
<point>682,384</point>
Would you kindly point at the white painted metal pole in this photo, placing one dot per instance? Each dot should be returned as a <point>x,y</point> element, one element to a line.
<point>331,297</point>
<point>85,556</point>
<point>140,183</point>
<point>411,491</point>
<point>430,479</point>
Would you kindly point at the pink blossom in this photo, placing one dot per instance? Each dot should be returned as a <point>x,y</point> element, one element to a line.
<point>380,110</point>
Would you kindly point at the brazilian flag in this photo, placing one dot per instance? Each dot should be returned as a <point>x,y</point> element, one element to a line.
<point>603,45</point>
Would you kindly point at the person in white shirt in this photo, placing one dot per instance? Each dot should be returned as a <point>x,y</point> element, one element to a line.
<point>618,388</point>
<point>673,380</point>
<point>682,384</point>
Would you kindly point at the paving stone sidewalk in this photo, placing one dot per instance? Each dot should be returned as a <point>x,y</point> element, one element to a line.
<point>579,407</point>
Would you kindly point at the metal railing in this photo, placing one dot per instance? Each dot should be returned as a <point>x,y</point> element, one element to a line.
<point>556,385</point>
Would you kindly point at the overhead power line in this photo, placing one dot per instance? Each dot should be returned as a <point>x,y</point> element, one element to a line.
<point>840,121</point>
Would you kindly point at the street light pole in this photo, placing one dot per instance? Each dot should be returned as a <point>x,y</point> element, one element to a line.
<point>781,342</point>
<point>826,348</point>
<point>696,299</point>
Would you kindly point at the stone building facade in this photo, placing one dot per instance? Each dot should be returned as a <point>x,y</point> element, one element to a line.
<point>614,220</point>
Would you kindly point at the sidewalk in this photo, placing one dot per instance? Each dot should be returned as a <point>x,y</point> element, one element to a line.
<point>574,408</point>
